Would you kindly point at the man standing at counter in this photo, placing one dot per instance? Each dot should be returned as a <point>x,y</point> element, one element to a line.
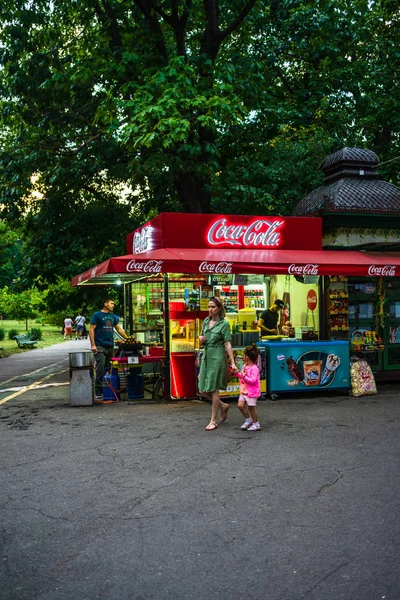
<point>268,321</point>
<point>101,336</point>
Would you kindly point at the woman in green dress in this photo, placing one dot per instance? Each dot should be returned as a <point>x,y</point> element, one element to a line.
<point>216,339</point>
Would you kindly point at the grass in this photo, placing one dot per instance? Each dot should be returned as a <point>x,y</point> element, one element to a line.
<point>50,335</point>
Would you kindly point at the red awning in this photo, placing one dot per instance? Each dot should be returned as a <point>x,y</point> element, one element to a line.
<point>220,261</point>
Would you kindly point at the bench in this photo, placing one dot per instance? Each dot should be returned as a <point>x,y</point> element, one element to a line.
<point>24,341</point>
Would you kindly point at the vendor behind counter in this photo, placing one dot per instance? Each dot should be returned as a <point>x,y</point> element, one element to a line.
<point>268,321</point>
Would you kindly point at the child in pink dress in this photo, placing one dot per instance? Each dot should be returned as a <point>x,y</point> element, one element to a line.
<point>249,389</point>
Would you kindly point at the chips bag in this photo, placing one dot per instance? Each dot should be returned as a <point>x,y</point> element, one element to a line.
<point>362,379</point>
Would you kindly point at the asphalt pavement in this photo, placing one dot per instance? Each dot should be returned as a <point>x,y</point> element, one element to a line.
<point>138,501</point>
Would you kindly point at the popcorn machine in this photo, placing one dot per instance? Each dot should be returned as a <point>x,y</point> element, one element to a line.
<point>184,332</point>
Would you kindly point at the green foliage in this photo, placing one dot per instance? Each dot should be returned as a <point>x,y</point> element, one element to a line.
<point>114,111</point>
<point>35,333</point>
<point>12,333</point>
<point>2,333</point>
<point>11,247</point>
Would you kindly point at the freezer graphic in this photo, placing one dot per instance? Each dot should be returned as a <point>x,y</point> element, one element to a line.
<point>308,366</point>
<point>233,386</point>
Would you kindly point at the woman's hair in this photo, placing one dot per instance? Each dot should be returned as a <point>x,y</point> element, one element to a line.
<point>221,307</point>
<point>252,352</point>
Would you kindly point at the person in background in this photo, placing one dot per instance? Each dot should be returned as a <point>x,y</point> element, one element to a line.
<point>79,325</point>
<point>216,339</point>
<point>249,388</point>
<point>268,321</point>
<point>101,334</point>
<point>68,327</point>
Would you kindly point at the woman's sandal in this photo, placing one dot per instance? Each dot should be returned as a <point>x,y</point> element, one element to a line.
<point>211,426</point>
<point>224,414</point>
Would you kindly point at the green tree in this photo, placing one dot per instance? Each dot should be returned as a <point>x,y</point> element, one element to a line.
<point>25,305</point>
<point>11,248</point>
<point>124,109</point>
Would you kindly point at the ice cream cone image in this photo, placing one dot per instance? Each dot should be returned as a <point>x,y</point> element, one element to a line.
<point>332,363</point>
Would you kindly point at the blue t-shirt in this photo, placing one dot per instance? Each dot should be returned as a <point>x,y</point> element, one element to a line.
<point>104,332</point>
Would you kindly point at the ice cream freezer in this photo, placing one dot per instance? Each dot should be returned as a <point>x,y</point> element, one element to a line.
<point>307,366</point>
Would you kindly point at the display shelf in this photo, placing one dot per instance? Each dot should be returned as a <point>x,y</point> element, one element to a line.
<point>338,303</point>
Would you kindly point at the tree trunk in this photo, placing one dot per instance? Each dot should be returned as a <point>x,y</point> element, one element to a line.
<point>192,193</point>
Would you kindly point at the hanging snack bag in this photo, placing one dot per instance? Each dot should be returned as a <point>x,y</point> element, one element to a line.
<point>362,379</point>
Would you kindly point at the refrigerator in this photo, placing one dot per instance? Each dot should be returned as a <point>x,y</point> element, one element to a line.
<point>307,366</point>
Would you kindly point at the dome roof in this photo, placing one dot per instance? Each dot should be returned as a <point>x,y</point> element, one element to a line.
<point>351,195</point>
<point>350,156</point>
<point>352,185</point>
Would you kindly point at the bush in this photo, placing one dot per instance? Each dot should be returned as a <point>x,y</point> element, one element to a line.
<point>2,333</point>
<point>35,333</point>
<point>12,333</point>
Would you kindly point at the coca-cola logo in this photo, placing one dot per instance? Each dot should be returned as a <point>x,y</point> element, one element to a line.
<point>312,300</point>
<point>148,266</point>
<point>260,233</point>
<point>93,272</point>
<point>384,270</point>
<point>140,240</point>
<point>310,269</point>
<point>210,267</point>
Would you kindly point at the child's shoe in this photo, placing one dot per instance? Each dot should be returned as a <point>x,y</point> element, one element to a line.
<point>254,427</point>
<point>246,424</point>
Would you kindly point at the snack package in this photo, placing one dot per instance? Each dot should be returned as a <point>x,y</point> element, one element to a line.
<point>362,379</point>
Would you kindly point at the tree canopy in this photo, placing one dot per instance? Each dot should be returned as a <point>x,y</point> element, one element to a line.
<point>115,110</point>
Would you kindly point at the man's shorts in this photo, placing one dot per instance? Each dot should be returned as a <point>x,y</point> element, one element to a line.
<point>68,330</point>
<point>247,400</point>
<point>79,328</point>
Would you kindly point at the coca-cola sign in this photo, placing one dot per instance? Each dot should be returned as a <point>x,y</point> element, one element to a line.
<point>148,266</point>
<point>213,267</point>
<point>261,233</point>
<point>312,300</point>
<point>141,240</point>
<point>382,270</point>
<point>310,269</point>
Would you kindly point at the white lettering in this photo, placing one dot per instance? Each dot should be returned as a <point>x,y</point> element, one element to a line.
<point>384,271</point>
<point>221,267</point>
<point>310,269</point>
<point>260,233</point>
<point>140,240</point>
<point>149,266</point>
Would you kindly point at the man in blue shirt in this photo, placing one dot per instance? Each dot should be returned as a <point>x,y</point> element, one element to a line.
<point>101,335</point>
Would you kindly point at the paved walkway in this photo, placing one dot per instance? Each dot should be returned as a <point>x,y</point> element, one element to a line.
<point>48,359</point>
<point>139,502</point>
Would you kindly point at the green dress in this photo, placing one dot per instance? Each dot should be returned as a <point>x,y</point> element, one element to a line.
<point>214,365</point>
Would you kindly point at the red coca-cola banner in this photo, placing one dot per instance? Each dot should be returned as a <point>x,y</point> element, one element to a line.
<point>184,230</point>
<point>215,262</point>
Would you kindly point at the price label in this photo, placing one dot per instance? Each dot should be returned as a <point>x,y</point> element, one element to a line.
<point>133,360</point>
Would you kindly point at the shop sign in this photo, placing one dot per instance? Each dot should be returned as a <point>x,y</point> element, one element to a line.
<point>213,267</point>
<point>236,232</point>
<point>310,269</point>
<point>312,300</point>
<point>148,266</point>
<point>141,239</point>
<point>382,271</point>
<point>258,234</point>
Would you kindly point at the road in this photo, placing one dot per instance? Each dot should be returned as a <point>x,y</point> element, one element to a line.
<point>138,501</point>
